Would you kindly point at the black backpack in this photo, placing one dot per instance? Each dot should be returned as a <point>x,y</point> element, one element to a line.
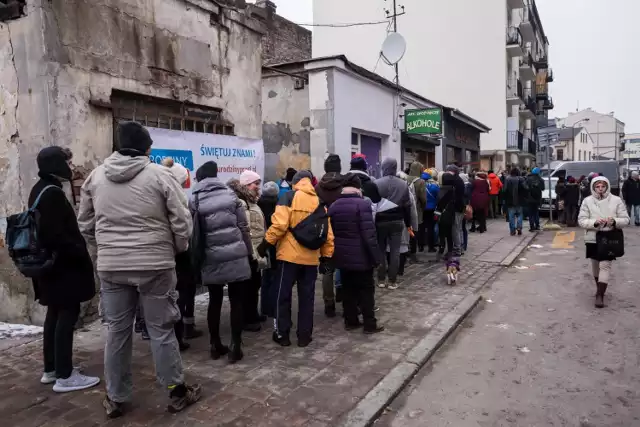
<point>27,253</point>
<point>312,231</point>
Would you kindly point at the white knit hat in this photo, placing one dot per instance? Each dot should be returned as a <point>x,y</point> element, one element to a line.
<point>247,177</point>
<point>180,172</point>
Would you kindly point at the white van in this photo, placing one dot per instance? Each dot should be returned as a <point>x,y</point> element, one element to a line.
<point>544,208</point>
<point>609,168</point>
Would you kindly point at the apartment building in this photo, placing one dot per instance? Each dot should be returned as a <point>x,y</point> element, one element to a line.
<point>492,61</point>
<point>605,131</point>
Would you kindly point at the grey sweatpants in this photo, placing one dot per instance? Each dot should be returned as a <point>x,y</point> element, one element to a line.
<point>389,234</point>
<point>157,293</point>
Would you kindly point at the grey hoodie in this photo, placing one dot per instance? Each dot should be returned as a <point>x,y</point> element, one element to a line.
<point>136,213</point>
<point>396,203</point>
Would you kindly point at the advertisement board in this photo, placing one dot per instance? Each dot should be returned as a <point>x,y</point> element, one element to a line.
<point>192,149</point>
<point>423,122</point>
<point>631,149</point>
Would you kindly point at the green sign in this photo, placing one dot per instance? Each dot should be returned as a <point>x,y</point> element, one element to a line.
<point>423,122</point>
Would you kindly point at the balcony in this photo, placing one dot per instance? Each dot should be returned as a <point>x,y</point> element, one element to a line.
<point>548,104</point>
<point>515,44</point>
<point>528,109</point>
<point>542,91</point>
<point>514,92</point>
<point>526,23</point>
<point>530,147</point>
<point>527,72</point>
<point>515,141</point>
<point>542,61</point>
<point>549,75</point>
<point>515,4</point>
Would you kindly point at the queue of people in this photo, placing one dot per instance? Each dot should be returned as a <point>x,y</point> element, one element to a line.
<point>155,246</point>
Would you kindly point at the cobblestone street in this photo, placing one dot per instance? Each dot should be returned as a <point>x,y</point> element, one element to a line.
<point>272,386</point>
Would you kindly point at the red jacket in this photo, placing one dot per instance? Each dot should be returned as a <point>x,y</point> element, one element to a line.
<point>496,184</point>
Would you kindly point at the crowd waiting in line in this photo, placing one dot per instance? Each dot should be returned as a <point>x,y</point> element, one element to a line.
<point>154,246</point>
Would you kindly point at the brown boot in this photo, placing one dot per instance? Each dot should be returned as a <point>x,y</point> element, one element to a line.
<point>602,287</point>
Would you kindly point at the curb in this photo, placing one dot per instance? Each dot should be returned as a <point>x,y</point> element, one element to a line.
<point>518,250</point>
<point>378,398</point>
<point>367,411</point>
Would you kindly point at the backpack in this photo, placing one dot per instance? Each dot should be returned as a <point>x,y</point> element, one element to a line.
<point>534,189</point>
<point>312,231</point>
<point>27,253</point>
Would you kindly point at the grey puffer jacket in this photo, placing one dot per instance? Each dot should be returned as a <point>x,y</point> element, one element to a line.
<point>228,240</point>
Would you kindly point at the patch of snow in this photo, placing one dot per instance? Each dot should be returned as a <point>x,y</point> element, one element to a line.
<point>523,349</point>
<point>12,330</point>
<point>521,267</point>
<point>542,264</point>
<point>536,246</point>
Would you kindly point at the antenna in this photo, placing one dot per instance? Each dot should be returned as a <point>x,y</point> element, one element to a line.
<point>394,17</point>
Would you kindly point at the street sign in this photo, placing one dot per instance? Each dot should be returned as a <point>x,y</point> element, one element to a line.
<point>423,122</point>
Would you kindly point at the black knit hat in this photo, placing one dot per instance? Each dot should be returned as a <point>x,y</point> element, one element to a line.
<point>133,139</point>
<point>208,170</point>
<point>352,180</point>
<point>53,161</point>
<point>333,164</point>
<point>359,163</point>
<point>290,174</point>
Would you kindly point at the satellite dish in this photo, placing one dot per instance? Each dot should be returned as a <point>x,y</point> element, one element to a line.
<point>393,48</point>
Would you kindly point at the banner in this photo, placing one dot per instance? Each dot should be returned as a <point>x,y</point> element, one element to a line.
<point>192,149</point>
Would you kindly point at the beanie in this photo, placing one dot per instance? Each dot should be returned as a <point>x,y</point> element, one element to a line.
<point>248,177</point>
<point>352,180</point>
<point>333,164</point>
<point>359,163</point>
<point>180,172</point>
<point>133,138</point>
<point>290,174</point>
<point>301,175</point>
<point>453,169</point>
<point>208,170</point>
<point>270,189</point>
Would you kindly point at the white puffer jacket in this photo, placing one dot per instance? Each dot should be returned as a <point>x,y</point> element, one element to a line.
<point>593,209</point>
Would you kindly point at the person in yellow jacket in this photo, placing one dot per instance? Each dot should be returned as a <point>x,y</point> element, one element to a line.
<point>297,263</point>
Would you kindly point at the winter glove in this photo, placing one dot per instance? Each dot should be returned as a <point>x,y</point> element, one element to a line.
<point>262,248</point>
<point>326,266</point>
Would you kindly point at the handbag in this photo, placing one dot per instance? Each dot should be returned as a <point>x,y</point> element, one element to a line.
<point>468,213</point>
<point>610,244</point>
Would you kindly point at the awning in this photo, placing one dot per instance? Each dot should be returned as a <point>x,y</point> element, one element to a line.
<point>420,139</point>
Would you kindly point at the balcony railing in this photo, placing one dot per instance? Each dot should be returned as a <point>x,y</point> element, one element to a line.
<point>531,146</point>
<point>549,75</point>
<point>529,101</point>
<point>514,36</point>
<point>515,140</point>
<point>548,104</point>
<point>514,89</point>
<point>542,61</point>
<point>542,91</point>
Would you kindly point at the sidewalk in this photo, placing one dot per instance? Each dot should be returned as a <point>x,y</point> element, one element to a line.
<point>272,386</point>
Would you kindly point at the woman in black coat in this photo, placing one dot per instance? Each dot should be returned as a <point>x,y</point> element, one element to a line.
<point>71,280</point>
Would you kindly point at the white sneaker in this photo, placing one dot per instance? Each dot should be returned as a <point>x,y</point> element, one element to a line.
<point>382,284</point>
<point>393,286</point>
<point>48,378</point>
<point>75,382</point>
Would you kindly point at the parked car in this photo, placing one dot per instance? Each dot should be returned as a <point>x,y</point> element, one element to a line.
<point>544,208</point>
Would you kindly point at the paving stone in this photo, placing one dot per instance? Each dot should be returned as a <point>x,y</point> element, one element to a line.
<point>272,386</point>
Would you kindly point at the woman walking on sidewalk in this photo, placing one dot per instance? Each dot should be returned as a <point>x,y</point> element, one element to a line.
<point>601,212</point>
<point>480,201</point>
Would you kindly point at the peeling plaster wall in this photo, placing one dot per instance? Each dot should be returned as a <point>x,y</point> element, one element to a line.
<point>66,56</point>
<point>286,126</point>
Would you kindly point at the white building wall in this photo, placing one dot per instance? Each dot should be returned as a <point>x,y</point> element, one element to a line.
<point>457,59</point>
<point>604,129</point>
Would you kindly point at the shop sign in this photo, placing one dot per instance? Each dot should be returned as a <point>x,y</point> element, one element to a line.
<point>631,149</point>
<point>423,122</point>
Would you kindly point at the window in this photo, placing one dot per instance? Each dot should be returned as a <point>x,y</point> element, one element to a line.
<point>167,114</point>
<point>589,159</point>
<point>559,154</point>
<point>355,144</point>
<point>579,155</point>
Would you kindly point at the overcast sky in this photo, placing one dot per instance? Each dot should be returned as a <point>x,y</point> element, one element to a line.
<point>594,53</point>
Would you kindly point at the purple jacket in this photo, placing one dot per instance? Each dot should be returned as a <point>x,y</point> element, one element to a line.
<point>356,244</point>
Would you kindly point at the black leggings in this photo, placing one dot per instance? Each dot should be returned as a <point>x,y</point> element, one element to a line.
<point>58,339</point>
<point>216,292</point>
<point>186,304</point>
<point>251,296</point>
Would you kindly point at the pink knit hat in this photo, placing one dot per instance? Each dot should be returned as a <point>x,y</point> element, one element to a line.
<point>248,177</point>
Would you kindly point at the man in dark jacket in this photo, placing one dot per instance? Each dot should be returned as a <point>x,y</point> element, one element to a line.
<point>369,188</point>
<point>631,195</point>
<point>452,179</point>
<point>328,190</point>
<point>515,197</point>
<point>420,190</point>
<point>393,214</point>
<point>571,199</point>
<point>536,186</point>
<point>71,280</point>
<point>356,254</point>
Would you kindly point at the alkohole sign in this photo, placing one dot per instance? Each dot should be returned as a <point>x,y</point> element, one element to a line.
<point>423,122</point>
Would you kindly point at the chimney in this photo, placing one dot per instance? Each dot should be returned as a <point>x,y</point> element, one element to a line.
<point>267,4</point>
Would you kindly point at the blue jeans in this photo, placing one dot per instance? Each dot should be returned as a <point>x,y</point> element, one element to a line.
<point>534,217</point>
<point>465,235</point>
<point>515,212</point>
<point>634,212</point>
